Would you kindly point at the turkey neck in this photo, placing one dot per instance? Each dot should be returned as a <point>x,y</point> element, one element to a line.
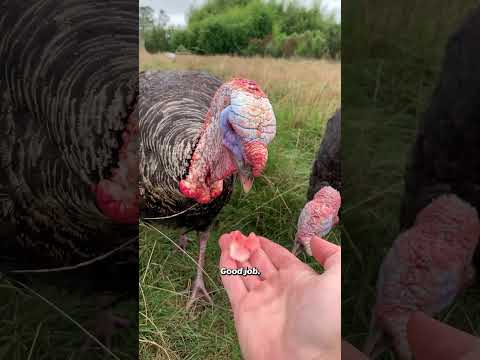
<point>211,162</point>
<point>210,155</point>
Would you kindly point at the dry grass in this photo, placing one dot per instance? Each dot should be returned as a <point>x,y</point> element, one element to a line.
<point>300,83</point>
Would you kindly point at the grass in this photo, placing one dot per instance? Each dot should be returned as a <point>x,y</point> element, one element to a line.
<point>304,94</point>
<point>41,320</point>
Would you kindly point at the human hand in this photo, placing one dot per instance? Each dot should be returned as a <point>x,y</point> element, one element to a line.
<point>289,311</point>
<point>349,352</point>
<point>448,343</point>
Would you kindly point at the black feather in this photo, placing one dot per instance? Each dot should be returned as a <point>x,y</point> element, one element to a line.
<point>173,108</point>
<point>64,101</point>
<point>326,170</point>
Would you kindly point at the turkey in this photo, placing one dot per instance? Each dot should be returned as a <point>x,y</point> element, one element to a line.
<point>431,261</point>
<point>69,142</point>
<point>320,214</point>
<point>327,169</point>
<point>196,135</point>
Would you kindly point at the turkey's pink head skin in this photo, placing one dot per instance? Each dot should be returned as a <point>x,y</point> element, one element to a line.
<point>118,196</point>
<point>426,268</point>
<point>318,216</point>
<point>239,126</point>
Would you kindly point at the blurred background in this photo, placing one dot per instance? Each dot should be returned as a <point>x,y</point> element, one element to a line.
<point>392,54</point>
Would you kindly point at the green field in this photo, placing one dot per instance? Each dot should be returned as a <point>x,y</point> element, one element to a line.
<point>303,94</point>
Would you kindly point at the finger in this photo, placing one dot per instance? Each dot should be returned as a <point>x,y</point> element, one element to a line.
<point>261,261</point>
<point>233,284</point>
<point>472,355</point>
<point>351,353</point>
<point>449,343</point>
<point>327,254</point>
<point>278,255</point>
<point>224,241</point>
<point>250,281</point>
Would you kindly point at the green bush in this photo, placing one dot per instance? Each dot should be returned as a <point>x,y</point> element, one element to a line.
<point>181,49</point>
<point>156,40</point>
<point>231,31</point>
<point>312,44</point>
<point>334,41</point>
<point>180,37</point>
<point>252,27</point>
<point>296,19</point>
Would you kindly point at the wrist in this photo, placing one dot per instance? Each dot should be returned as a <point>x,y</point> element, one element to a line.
<point>295,352</point>
<point>310,352</point>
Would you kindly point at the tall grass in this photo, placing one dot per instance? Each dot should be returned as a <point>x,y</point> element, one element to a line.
<point>303,94</point>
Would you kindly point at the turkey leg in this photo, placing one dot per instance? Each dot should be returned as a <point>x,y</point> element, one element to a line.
<point>106,323</point>
<point>198,289</point>
<point>183,241</point>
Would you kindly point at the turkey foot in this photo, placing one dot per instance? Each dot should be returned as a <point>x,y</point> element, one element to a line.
<point>104,326</point>
<point>198,289</point>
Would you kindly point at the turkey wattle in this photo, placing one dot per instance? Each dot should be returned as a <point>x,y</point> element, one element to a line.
<point>117,196</point>
<point>196,135</point>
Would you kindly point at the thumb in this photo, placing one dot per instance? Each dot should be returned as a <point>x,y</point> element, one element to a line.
<point>327,254</point>
<point>351,353</point>
<point>449,343</point>
<point>472,355</point>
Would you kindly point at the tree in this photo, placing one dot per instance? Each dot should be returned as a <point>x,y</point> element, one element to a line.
<point>163,19</point>
<point>156,40</point>
<point>146,19</point>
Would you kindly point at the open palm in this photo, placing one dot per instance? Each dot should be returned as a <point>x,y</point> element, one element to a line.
<point>289,311</point>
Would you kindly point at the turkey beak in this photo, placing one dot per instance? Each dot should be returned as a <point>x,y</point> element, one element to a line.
<point>246,178</point>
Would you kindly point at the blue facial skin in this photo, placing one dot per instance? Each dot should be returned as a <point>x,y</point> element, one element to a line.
<point>327,226</point>
<point>449,290</point>
<point>230,139</point>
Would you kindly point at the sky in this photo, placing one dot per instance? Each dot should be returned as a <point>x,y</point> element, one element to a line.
<point>176,9</point>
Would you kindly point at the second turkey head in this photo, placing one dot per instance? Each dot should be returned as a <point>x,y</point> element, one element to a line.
<point>318,217</point>
<point>238,128</point>
<point>426,268</point>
